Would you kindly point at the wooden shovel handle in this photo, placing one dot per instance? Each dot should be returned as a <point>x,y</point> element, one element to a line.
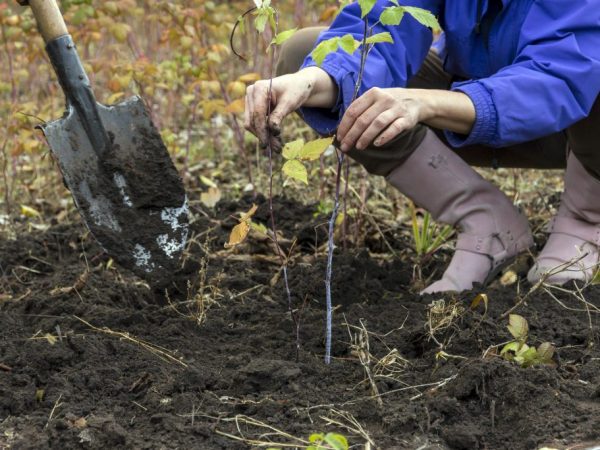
<point>49,19</point>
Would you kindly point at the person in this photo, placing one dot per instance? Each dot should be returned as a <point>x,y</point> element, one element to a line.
<point>513,83</point>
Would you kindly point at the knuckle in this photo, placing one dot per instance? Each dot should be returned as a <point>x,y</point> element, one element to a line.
<point>363,121</point>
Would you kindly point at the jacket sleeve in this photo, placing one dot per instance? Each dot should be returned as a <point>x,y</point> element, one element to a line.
<point>388,65</point>
<point>552,83</point>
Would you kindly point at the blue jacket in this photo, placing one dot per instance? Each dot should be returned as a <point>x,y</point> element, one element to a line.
<point>532,66</point>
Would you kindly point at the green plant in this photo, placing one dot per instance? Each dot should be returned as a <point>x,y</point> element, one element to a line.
<point>320,441</point>
<point>428,236</point>
<point>391,16</point>
<point>519,351</point>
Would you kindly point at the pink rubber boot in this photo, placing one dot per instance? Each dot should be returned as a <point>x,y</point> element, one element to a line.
<point>491,230</point>
<point>571,252</point>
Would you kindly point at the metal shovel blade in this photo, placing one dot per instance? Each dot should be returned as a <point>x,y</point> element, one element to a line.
<point>132,199</point>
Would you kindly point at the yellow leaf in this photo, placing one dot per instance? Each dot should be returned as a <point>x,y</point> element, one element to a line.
<point>238,234</point>
<point>39,395</point>
<point>477,301</point>
<point>30,212</point>
<point>208,181</point>
<point>236,89</point>
<point>114,98</point>
<point>314,149</point>
<point>211,197</point>
<point>51,339</point>
<point>518,326</point>
<point>508,278</point>
<point>295,169</point>
<point>247,216</point>
<point>250,77</point>
<point>237,106</point>
<point>291,150</point>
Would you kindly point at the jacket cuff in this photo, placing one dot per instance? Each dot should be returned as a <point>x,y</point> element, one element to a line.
<point>486,117</point>
<point>325,121</point>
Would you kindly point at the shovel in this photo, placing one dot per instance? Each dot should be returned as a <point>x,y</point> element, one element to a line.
<point>115,164</point>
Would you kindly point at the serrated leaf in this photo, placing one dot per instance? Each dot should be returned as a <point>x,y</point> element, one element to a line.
<point>238,234</point>
<point>380,37</point>
<point>336,441</point>
<point>283,36</point>
<point>291,150</point>
<point>366,6</point>
<point>349,44</point>
<point>314,149</point>
<point>392,15</point>
<point>325,48</point>
<point>423,16</point>
<point>518,327</point>
<point>296,170</point>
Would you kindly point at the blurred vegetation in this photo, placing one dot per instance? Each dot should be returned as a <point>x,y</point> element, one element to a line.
<point>175,54</point>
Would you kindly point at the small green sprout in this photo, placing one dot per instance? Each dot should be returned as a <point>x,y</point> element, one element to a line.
<point>518,350</point>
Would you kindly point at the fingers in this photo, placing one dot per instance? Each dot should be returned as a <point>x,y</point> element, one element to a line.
<point>352,114</point>
<point>377,126</point>
<point>397,127</point>
<point>360,126</point>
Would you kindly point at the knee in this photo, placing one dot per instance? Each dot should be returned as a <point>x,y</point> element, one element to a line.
<point>296,49</point>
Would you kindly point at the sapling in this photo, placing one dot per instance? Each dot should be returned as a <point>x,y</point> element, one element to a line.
<point>296,152</point>
<point>390,16</point>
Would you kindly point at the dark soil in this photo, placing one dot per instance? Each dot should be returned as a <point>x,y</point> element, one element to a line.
<point>64,384</point>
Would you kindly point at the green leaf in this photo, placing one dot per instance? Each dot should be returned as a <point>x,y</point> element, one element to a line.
<point>325,48</point>
<point>314,149</point>
<point>261,21</point>
<point>316,438</point>
<point>283,36</point>
<point>295,169</point>
<point>513,346</point>
<point>392,15</point>
<point>336,441</point>
<point>424,17</point>
<point>349,44</point>
<point>291,150</point>
<point>530,357</point>
<point>518,327</point>
<point>380,37</point>
<point>366,6</point>
<point>545,352</point>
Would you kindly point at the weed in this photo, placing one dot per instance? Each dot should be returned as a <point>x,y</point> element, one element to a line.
<point>518,351</point>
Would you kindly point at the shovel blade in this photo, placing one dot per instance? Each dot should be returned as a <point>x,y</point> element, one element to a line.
<point>131,197</point>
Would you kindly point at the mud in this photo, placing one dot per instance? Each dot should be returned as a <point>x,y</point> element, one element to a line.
<point>131,196</point>
<point>64,384</point>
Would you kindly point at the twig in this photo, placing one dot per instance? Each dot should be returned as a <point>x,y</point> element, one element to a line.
<point>5,368</point>
<point>57,405</point>
<point>161,352</point>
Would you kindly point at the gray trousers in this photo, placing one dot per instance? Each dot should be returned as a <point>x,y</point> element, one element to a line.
<point>549,152</point>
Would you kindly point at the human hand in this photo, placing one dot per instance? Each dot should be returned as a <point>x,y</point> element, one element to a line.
<point>379,115</point>
<point>308,87</point>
